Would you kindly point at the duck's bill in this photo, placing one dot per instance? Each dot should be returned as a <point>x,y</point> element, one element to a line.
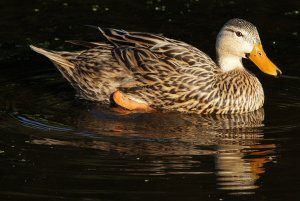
<point>259,57</point>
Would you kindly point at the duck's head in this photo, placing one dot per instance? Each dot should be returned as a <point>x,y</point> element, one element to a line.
<point>239,39</point>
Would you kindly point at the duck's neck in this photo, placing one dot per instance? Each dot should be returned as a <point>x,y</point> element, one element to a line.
<point>229,62</point>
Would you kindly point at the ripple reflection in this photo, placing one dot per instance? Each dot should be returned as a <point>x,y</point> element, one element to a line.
<point>173,143</point>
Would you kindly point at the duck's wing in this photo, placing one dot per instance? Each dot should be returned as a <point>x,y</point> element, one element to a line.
<point>177,51</point>
<point>167,70</point>
<point>146,66</point>
<point>164,82</point>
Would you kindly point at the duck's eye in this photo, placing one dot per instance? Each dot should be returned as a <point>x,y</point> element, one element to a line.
<point>239,34</point>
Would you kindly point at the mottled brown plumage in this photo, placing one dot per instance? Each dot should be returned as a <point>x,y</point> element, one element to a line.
<point>164,73</point>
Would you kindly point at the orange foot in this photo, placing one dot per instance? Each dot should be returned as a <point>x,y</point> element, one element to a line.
<point>131,105</point>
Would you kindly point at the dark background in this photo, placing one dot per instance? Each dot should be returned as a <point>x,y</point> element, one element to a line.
<point>55,147</point>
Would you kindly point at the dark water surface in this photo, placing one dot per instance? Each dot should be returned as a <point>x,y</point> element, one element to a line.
<point>55,147</point>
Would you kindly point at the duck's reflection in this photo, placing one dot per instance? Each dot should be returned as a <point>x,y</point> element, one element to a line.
<point>172,143</point>
<point>237,169</point>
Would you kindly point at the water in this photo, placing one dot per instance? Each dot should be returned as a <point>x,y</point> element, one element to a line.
<point>55,147</point>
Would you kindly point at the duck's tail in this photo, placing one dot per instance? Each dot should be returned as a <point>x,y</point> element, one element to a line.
<point>61,61</point>
<point>55,57</point>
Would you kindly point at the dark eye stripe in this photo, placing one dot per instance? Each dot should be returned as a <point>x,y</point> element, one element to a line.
<point>231,30</point>
<point>238,33</point>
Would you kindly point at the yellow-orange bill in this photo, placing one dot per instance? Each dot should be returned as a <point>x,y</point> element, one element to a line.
<point>259,57</point>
